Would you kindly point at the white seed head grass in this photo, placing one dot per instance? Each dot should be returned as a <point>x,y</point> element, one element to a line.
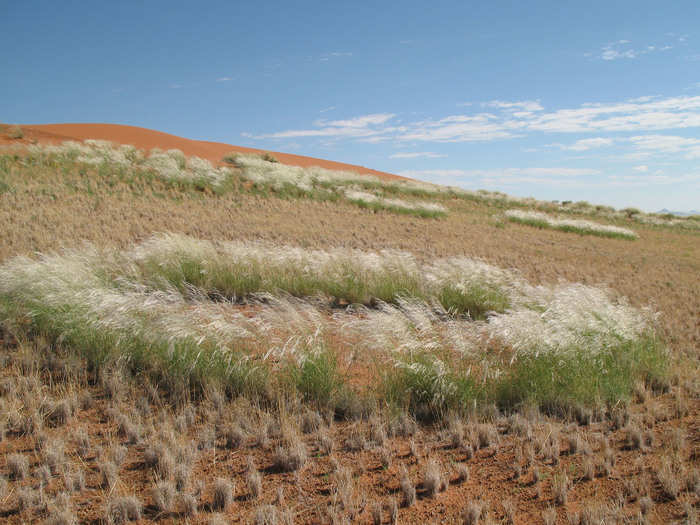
<point>105,291</point>
<point>576,224</point>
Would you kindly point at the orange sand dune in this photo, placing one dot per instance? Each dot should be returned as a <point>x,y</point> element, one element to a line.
<point>147,139</point>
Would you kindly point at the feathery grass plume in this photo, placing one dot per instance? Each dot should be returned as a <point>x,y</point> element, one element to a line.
<point>542,220</point>
<point>373,202</point>
<point>319,183</point>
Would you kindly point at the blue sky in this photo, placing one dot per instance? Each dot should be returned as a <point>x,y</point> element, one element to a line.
<point>598,101</point>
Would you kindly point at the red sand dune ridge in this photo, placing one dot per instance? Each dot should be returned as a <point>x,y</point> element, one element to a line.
<point>147,139</point>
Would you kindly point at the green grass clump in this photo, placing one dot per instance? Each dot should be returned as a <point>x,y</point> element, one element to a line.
<point>317,377</point>
<point>559,382</point>
<point>427,387</point>
<point>475,299</point>
<point>179,365</point>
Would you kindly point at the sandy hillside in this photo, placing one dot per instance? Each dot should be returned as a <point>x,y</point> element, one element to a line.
<point>147,139</point>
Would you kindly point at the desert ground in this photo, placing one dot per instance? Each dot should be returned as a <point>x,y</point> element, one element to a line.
<point>113,438</point>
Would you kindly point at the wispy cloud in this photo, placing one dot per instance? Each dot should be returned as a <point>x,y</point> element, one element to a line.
<point>511,173</point>
<point>652,179</point>
<point>326,110</point>
<point>417,154</point>
<point>358,127</point>
<point>524,105</point>
<point>650,144</point>
<point>224,79</point>
<point>586,144</point>
<point>512,119</point>
<point>335,54</point>
<point>499,178</point>
<point>622,49</point>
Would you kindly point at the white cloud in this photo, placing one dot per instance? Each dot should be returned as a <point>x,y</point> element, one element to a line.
<point>689,148</point>
<point>586,144</point>
<point>654,179</point>
<point>413,155</point>
<point>509,120</point>
<point>642,169</point>
<point>621,49</point>
<point>525,105</point>
<point>571,177</point>
<point>224,79</point>
<point>505,172</point>
<point>362,122</point>
<point>357,127</point>
<point>335,54</point>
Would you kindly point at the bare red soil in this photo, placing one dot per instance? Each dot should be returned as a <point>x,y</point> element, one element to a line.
<point>148,139</point>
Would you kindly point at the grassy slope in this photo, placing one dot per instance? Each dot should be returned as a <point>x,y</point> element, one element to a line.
<point>44,212</point>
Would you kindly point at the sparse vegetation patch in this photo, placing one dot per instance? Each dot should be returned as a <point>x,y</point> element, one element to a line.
<point>542,220</point>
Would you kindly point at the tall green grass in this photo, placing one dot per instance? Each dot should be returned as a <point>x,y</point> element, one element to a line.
<point>237,271</point>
